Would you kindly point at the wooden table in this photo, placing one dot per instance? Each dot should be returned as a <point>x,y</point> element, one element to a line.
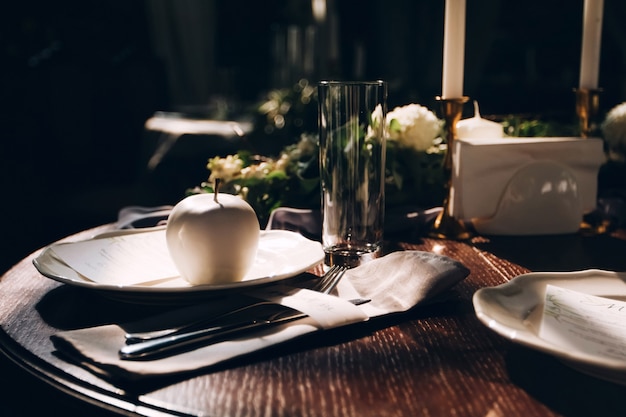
<point>437,360</point>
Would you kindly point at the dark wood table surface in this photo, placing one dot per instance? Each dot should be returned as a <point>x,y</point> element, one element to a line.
<point>437,360</point>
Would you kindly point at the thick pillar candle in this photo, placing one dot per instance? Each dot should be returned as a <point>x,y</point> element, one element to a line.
<point>590,53</point>
<point>453,49</point>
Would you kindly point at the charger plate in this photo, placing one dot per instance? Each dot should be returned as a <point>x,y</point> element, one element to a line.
<point>281,255</point>
<point>514,310</point>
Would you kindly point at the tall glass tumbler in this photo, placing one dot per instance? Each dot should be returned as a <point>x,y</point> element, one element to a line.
<point>352,169</point>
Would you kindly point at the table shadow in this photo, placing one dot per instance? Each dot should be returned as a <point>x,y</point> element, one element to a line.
<point>67,308</point>
<point>569,252</point>
<point>561,388</point>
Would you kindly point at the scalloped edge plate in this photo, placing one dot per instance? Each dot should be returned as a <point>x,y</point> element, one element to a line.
<point>514,311</point>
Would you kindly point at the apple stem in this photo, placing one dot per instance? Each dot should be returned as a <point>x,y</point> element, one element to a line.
<point>218,182</point>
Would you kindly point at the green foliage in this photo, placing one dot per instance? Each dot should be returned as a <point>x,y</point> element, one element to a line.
<point>517,126</point>
<point>266,183</point>
<point>282,116</point>
<point>414,177</point>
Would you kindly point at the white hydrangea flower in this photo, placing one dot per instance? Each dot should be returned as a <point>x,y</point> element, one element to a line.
<point>614,130</point>
<point>414,126</point>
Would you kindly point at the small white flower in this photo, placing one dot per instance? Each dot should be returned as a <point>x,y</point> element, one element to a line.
<point>614,130</point>
<point>225,169</point>
<point>283,162</point>
<point>414,126</point>
<point>375,128</point>
<point>377,116</point>
<point>258,171</point>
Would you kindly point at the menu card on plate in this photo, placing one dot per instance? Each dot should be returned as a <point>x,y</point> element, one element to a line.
<point>126,259</point>
<point>584,322</point>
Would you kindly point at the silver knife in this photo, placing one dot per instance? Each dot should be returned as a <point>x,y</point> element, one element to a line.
<point>167,345</point>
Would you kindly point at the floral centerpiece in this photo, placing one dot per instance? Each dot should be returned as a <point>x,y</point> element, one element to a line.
<point>280,167</point>
<point>415,152</point>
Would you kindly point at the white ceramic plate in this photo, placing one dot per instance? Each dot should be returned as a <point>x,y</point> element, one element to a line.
<point>514,310</point>
<point>282,254</point>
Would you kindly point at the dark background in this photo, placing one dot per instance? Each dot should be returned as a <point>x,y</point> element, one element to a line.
<point>79,79</point>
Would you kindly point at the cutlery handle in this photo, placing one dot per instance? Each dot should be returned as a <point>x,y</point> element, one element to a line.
<point>164,345</point>
<point>167,345</point>
<point>205,322</point>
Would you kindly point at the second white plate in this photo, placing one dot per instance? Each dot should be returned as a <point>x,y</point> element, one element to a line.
<point>514,310</point>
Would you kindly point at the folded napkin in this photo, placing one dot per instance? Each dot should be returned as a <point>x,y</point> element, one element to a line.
<point>137,217</point>
<point>395,283</point>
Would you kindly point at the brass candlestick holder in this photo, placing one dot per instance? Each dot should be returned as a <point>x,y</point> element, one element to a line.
<point>446,226</point>
<point>587,109</point>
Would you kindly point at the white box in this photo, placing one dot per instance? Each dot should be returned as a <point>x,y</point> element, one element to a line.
<point>525,186</point>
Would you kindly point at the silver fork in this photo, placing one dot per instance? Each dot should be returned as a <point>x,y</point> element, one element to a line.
<point>325,285</point>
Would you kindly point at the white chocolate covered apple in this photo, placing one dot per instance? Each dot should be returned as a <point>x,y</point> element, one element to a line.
<point>212,238</point>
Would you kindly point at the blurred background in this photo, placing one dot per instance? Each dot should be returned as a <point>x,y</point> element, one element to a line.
<point>79,80</point>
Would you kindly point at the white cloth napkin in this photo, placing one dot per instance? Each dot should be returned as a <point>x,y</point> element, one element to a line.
<point>136,217</point>
<point>394,283</point>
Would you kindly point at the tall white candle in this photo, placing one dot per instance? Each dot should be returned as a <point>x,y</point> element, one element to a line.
<point>453,49</point>
<point>590,53</point>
